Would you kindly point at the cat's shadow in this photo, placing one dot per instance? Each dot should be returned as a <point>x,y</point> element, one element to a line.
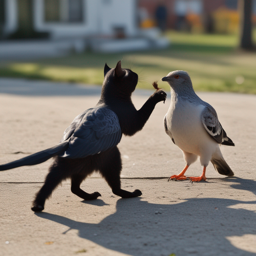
<point>98,202</point>
<point>199,224</point>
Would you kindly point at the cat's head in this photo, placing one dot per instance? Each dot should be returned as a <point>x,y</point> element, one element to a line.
<point>119,81</point>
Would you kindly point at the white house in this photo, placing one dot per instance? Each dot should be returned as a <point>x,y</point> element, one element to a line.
<point>71,17</point>
<point>77,19</point>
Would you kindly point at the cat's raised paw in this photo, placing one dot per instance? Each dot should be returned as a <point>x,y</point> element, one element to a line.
<point>137,193</point>
<point>159,95</point>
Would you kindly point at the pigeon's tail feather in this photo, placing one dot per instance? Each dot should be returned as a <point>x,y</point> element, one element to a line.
<point>36,158</point>
<point>222,167</point>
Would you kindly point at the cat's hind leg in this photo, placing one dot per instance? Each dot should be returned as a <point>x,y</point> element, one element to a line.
<point>110,169</point>
<point>76,181</point>
<point>52,180</point>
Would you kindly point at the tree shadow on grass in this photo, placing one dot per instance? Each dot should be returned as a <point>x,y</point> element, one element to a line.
<point>199,226</point>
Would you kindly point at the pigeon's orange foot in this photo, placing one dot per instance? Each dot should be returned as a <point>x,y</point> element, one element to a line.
<point>177,177</point>
<point>180,176</point>
<point>202,177</point>
<point>196,179</point>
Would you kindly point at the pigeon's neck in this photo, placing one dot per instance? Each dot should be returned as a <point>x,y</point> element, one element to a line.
<point>183,93</point>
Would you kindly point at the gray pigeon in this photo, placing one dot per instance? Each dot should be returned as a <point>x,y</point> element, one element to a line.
<point>194,127</point>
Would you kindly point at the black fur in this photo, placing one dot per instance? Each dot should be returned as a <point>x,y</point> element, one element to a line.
<point>116,93</point>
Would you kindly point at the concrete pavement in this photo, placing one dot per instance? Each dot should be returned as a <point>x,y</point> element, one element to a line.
<point>216,217</point>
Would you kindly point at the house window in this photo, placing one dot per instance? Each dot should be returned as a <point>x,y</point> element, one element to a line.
<point>52,10</point>
<point>70,11</point>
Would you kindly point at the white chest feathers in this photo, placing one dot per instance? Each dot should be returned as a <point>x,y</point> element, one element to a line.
<point>183,121</point>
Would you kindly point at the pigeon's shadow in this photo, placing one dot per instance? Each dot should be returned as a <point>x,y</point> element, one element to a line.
<point>238,183</point>
<point>243,184</point>
<point>200,226</point>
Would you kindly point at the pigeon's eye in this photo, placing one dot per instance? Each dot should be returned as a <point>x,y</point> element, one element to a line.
<point>176,77</point>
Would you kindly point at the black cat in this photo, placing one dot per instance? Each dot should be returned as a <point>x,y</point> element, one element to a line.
<point>90,142</point>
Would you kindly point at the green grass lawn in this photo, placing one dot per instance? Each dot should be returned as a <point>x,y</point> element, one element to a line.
<point>212,61</point>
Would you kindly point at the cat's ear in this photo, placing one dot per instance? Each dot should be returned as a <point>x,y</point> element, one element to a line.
<point>106,69</point>
<point>118,69</point>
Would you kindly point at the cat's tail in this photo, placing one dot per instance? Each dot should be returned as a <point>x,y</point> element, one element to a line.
<point>37,158</point>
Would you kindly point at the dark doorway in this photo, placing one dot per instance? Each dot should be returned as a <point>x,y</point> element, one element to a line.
<point>26,22</point>
<point>25,18</point>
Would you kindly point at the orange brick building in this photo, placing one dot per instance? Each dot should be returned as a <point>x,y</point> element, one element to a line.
<point>177,8</point>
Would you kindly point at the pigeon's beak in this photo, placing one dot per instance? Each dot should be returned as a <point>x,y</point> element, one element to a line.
<point>165,78</point>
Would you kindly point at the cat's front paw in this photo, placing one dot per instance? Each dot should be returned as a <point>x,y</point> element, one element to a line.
<point>136,193</point>
<point>159,95</point>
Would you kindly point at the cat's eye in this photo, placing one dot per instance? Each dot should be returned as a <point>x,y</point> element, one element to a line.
<point>176,77</point>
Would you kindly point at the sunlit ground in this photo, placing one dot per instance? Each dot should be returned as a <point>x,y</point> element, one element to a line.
<point>213,62</point>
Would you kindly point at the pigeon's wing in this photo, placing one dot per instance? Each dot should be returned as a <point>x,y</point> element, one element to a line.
<point>92,132</point>
<point>213,127</point>
<point>167,130</point>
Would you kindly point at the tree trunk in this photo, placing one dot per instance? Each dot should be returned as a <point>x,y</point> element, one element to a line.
<point>245,37</point>
<point>2,17</point>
